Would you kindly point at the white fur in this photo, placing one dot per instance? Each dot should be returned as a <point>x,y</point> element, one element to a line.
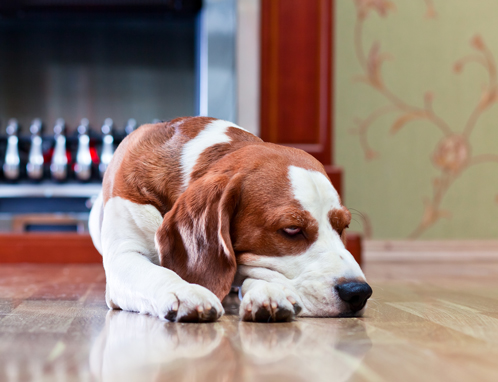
<point>314,191</point>
<point>313,274</point>
<point>135,281</point>
<point>214,133</point>
<point>258,292</point>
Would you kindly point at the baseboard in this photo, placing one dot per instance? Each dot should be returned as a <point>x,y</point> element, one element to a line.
<point>430,251</point>
<point>48,248</point>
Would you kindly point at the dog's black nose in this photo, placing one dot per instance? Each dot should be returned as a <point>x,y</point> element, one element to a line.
<point>355,294</point>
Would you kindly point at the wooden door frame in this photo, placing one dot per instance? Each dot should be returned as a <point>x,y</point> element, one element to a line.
<point>288,33</point>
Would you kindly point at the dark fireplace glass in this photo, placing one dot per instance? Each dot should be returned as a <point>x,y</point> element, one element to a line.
<point>97,65</point>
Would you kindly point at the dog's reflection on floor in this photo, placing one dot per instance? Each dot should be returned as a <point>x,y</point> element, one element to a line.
<point>135,347</point>
<point>139,347</point>
<point>305,350</point>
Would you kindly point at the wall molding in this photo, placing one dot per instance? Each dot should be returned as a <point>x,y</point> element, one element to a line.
<point>296,99</point>
<point>248,49</point>
<point>430,250</point>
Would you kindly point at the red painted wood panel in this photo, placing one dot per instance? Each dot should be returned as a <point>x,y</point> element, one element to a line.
<point>335,175</point>
<point>296,82</point>
<point>354,245</point>
<point>47,248</point>
<point>296,75</point>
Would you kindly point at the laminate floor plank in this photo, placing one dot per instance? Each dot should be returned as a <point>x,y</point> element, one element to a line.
<point>425,322</point>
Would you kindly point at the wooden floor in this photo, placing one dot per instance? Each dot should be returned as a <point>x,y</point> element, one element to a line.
<point>426,322</point>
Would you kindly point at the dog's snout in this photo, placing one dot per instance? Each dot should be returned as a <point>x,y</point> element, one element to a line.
<point>355,294</point>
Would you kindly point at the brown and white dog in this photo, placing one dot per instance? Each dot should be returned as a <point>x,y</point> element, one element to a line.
<point>189,206</point>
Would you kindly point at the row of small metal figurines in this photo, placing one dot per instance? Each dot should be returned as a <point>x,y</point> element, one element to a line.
<point>59,162</point>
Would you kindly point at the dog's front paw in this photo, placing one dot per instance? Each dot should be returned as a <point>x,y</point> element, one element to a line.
<point>266,302</point>
<point>190,303</point>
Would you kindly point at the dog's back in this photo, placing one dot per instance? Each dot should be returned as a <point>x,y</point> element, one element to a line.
<point>164,158</point>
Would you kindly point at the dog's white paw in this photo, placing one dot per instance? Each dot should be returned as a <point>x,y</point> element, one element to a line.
<point>266,302</point>
<point>189,303</point>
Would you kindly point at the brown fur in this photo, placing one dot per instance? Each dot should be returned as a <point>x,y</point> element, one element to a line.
<point>194,238</point>
<point>339,220</point>
<point>153,152</point>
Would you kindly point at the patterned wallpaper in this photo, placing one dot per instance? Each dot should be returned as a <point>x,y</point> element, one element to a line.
<point>416,117</point>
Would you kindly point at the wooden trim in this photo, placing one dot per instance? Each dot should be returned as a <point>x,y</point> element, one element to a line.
<point>48,248</point>
<point>335,175</point>
<point>354,245</point>
<point>430,251</point>
<point>296,64</point>
<point>290,30</point>
<point>326,80</point>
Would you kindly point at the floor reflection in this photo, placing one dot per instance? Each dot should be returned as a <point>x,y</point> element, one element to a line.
<point>305,350</point>
<point>138,347</point>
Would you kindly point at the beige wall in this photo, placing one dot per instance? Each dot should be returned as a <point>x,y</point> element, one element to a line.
<point>416,117</point>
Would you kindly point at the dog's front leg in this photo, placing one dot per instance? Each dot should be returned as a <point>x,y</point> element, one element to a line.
<point>135,281</point>
<point>265,301</point>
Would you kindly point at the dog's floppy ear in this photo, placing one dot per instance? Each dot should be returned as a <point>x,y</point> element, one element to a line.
<point>194,238</point>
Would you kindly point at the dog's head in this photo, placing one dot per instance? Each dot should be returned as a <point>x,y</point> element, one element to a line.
<point>273,212</point>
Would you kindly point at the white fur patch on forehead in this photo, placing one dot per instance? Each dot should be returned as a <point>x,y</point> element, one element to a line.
<point>214,133</point>
<point>313,190</point>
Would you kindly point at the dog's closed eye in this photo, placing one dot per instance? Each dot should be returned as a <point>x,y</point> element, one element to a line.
<point>292,232</point>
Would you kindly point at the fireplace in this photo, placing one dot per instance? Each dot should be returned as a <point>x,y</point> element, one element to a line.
<point>77,76</point>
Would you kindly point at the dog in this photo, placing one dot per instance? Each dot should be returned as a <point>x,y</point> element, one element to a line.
<point>192,206</point>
